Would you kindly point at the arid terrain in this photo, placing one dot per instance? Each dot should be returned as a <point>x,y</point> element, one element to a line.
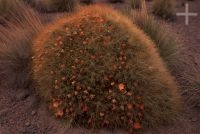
<point>23,112</point>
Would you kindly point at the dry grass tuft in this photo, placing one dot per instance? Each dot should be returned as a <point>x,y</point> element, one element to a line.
<point>97,69</point>
<point>163,39</point>
<point>54,5</point>
<point>116,1</point>
<point>135,3</point>
<point>5,7</point>
<point>164,9</point>
<point>15,46</point>
<point>87,1</point>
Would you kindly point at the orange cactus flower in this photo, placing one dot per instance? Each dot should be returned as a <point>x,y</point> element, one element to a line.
<point>81,33</point>
<point>129,106</point>
<point>63,78</point>
<point>93,57</point>
<point>59,113</point>
<point>62,66</point>
<point>121,87</point>
<point>56,103</point>
<point>84,42</point>
<point>60,42</point>
<point>71,109</point>
<point>140,114</point>
<point>137,125</point>
<point>101,20</point>
<point>110,27</point>
<point>141,106</point>
<point>85,108</point>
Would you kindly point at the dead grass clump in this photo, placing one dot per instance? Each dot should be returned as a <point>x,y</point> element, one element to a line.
<point>116,1</point>
<point>136,3</point>
<point>15,46</point>
<point>87,1</point>
<point>64,5</point>
<point>164,9</point>
<point>96,69</point>
<point>5,7</point>
<point>163,39</point>
<point>54,5</point>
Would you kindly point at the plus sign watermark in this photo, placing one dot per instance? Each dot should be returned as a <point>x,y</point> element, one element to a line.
<point>186,14</point>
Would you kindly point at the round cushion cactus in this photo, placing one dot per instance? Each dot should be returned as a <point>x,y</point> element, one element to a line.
<point>96,69</point>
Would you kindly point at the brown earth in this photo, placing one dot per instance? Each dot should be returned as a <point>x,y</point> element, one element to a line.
<point>21,111</point>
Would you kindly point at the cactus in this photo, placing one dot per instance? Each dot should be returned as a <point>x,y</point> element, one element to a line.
<point>96,69</point>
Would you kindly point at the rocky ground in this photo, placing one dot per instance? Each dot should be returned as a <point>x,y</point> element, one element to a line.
<point>22,112</point>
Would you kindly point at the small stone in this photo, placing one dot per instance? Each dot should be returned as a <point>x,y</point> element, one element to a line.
<point>12,122</point>
<point>22,96</point>
<point>27,124</point>
<point>112,83</point>
<point>101,114</point>
<point>33,112</point>
<point>32,103</point>
<point>33,129</point>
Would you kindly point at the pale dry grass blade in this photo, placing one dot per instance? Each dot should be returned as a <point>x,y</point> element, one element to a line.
<point>16,38</point>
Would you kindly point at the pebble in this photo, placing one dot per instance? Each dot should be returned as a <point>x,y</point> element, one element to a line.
<point>32,130</point>
<point>22,96</point>
<point>33,102</point>
<point>27,124</point>
<point>33,112</point>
